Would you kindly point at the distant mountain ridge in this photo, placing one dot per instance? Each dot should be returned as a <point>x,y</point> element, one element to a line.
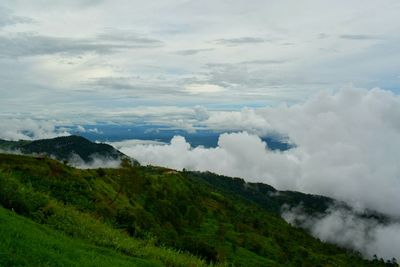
<point>277,201</point>
<point>264,195</point>
<point>64,147</point>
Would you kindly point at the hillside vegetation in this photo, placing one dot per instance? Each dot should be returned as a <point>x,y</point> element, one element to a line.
<point>144,215</point>
<point>276,201</point>
<point>63,148</point>
<point>25,243</point>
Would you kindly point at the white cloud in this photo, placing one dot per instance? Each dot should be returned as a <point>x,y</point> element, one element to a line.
<point>246,119</point>
<point>266,58</point>
<point>122,145</point>
<point>29,129</point>
<point>203,88</point>
<point>81,129</point>
<point>346,228</point>
<point>347,146</point>
<point>96,161</point>
<point>237,154</point>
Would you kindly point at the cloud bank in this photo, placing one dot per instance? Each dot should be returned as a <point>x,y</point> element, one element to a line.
<point>346,228</point>
<point>347,147</point>
<point>29,129</point>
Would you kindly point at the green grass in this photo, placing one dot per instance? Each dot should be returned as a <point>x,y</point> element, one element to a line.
<point>25,243</point>
<point>83,226</point>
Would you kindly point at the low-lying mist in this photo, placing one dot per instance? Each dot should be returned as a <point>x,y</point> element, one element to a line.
<point>348,228</point>
<point>96,161</point>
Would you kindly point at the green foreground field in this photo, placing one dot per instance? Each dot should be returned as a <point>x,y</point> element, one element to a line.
<point>25,243</point>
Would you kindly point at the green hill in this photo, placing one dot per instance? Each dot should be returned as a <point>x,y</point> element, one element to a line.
<point>63,148</point>
<point>262,194</point>
<point>154,214</point>
<point>274,200</point>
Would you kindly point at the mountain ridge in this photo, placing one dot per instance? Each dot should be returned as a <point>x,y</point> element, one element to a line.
<point>64,148</point>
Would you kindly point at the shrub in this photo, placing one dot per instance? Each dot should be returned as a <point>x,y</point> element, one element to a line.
<point>20,197</point>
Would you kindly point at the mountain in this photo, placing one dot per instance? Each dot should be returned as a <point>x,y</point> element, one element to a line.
<point>154,214</point>
<point>276,201</point>
<point>64,148</point>
<point>262,194</point>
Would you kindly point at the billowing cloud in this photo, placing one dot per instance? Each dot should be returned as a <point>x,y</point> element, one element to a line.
<point>96,161</point>
<point>246,119</point>
<point>346,147</point>
<point>29,129</point>
<point>348,229</point>
<point>81,129</point>
<point>237,154</point>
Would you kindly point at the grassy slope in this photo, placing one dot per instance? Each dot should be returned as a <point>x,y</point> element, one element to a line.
<point>162,208</point>
<point>262,194</point>
<point>25,243</point>
<point>273,200</point>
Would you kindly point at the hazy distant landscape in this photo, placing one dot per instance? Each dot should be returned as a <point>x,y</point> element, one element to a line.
<point>163,134</point>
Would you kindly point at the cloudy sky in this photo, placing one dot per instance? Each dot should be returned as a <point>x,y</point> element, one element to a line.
<point>99,60</point>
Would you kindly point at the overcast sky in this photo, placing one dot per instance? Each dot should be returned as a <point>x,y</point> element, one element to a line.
<point>104,60</point>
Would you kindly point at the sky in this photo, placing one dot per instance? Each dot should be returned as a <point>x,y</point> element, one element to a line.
<point>164,61</point>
